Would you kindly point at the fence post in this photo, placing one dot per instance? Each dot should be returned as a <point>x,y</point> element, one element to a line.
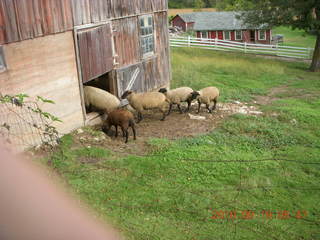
<point>189,41</point>
<point>215,42</point>
<point>310,53</point>
<point>245,47</point>
<point>277,49</point>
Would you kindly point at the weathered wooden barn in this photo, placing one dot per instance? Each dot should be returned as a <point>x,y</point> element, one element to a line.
<point>52,48</point>
<point>223,26</point>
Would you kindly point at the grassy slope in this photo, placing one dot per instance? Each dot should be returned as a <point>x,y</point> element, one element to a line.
<point>296,37</point>
<point>166,196</point>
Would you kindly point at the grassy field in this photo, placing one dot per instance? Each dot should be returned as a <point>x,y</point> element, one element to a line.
<point>295,37</point>
<point>181,189</point>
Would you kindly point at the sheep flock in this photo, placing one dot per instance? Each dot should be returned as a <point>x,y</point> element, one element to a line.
<point>162,100</point>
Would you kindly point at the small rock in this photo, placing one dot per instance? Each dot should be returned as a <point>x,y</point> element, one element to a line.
<point>242,111</point>
<point>294,121</point>
<point>82,139</point>
<point>79,131</point>
<point>236,102</point>
<point>96,139</point>
<point>88,147</point>
<point>256,112</point>
<point>193,117</point>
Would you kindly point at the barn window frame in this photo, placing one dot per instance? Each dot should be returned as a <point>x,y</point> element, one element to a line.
<point>204,35</point>
<point>224,35</point>
<point>236,32</point>
<point>3,64</point>
<point>147,35</point>
<point>264,34</point>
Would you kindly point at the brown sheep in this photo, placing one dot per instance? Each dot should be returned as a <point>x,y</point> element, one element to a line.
<point>122,118</point>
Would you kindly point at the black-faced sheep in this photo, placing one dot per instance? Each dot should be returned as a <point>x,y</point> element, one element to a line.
<point>122,118</point>
<point>146,101</point>
<point>206,96</point>
<point>177,96</point>
<point>100,100</point>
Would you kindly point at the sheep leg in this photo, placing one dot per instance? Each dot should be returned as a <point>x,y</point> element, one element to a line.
<point>116,130</point>
<point>189,104</point>
<point>125,133</point>
<point>170,107</point>
<point>208,107</point>
<point>140,117</point>
<point>164,116</point>
<point>131,124</point>
<point>215,104</point>
<point>179,107</point>
<point>199,105</point>
<point>134,132</point>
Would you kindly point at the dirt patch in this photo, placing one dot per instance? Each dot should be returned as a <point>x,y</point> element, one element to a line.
<point>174,127</point>
<point>265,100</point>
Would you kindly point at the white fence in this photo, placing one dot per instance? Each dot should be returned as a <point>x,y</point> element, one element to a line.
<point>223,45</point>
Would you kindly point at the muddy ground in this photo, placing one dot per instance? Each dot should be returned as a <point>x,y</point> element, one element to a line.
<point>174,127</point>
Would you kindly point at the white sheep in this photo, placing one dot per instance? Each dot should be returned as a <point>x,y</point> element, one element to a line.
<point>146,101</point>
<point>206,96</point>
<point>177,96</point>
<point>100,100</point>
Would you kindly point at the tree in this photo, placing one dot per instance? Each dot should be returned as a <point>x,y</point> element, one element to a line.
<point>300,14</point>
<point>198,5</point>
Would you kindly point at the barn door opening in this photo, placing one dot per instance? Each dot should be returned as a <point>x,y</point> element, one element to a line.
<point>252,35</point>
<point>95,58</point>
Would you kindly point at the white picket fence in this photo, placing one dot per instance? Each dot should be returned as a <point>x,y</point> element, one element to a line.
<point>223,45</point>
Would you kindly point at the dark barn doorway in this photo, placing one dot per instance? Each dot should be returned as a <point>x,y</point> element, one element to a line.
<point>252,35</point>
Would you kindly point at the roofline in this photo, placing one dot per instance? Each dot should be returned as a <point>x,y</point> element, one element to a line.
<point>178,16</point>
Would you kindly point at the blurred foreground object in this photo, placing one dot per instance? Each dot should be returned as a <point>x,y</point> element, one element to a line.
<point>33,208</point>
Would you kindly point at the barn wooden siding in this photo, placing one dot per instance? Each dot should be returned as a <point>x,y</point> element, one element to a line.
<point>126,40</point>
<point>95,52</point>
<point>154,71</point>
<point>26,19</point>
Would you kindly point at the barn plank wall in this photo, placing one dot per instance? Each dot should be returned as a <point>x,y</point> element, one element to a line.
<point>95,50</point>
<point>126,41</point>
<point>26,19</point>
<point>162,47</point>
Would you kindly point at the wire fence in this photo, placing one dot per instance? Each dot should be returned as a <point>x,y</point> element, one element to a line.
<point>242,47</point>
<point>23,125</point>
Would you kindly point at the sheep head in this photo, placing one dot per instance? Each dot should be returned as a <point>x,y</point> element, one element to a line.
<point>194,95</point>
<point>126,94</point>
<point>163,90</point>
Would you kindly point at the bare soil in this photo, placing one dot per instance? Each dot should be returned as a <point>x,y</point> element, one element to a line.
<point>175,126</point>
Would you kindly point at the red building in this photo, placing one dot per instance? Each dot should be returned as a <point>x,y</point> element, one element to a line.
<point>223,26</point>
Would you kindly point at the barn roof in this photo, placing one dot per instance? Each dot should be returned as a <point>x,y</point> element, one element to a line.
<point>216,21</point>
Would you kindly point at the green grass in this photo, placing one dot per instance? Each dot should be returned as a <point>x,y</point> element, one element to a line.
<point>173,192</point>
<point>298,38</point>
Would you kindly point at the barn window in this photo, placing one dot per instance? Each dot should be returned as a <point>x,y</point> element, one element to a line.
<point>226,35</point>
<point>3,65</point>
<point>204,34</point>
<point>262,34</point>
<point>146,35</point>
<point>238,35</point>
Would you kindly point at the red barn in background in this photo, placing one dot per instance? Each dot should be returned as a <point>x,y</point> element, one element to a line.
<point>223,26</point>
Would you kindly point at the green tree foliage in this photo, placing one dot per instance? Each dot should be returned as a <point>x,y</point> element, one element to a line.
<point>300,14</point>
<point>192,3</point>
<point>198,4</point>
